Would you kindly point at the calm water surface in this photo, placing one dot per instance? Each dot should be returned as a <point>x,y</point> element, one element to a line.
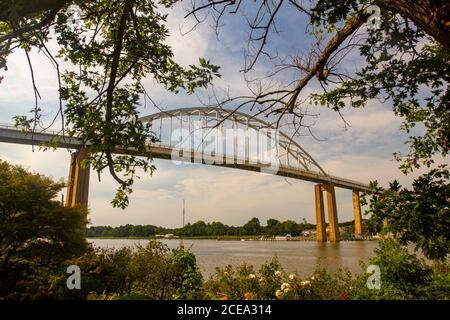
<point>295,256</point>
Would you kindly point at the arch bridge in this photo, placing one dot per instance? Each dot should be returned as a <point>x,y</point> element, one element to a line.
<point>219,137</point>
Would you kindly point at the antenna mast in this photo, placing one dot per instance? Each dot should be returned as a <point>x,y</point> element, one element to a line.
<point>184,211</point>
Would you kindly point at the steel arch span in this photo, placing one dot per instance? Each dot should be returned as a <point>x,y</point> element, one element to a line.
<point>201,125</point>
<point>290,160</point>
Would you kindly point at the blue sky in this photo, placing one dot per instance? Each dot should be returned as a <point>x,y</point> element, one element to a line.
<point>362,152</point>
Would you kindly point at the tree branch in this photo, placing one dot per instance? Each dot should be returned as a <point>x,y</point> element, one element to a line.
<point>349,28</point>
<point>112,84</point>
<point>430,15</point>
<point>32,27</point>
<point>29,7</point>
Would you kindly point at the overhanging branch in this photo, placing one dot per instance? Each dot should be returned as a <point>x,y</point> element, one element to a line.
<point>31,27</point>
<point>349,28</point>
<point>28,7</point>
<point>112,84</point>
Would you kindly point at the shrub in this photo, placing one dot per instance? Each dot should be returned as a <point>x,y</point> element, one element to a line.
<point>403,275</point>
<point>440,285</point>
<point>187,278</point>
<point>156,272</point>
<point>152,271</point>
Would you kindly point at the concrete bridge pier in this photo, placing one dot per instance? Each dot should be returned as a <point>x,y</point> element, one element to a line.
<point>78,184</point>
<point>357,211</point>
<point>332,213</point>
<point>333,224</point>
<point>321,232</point>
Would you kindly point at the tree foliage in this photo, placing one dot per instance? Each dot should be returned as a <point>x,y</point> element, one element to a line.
<point>420,215</point>
<point>204,229</point>
<point>411,76</point>
<point>36,232</point>
<point>113,46</point>
<point>33,223</point>
<point>127,230</point>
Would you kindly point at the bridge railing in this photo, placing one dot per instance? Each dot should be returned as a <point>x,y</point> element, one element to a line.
<point>30,130</point>
<point>329,177</point>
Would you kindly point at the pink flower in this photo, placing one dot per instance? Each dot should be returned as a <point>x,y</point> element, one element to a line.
<point>306,283</point>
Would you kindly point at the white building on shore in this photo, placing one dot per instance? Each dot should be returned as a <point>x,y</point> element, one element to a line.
<point>283,238</point>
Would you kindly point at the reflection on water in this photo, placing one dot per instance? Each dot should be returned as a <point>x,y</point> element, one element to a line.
<point>295,256</point>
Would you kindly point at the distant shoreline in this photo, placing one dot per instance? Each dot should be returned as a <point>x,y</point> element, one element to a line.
<point>238,238</point>
<point>220,238</point>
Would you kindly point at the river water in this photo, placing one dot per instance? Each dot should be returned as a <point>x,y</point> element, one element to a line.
<point>295,256</point>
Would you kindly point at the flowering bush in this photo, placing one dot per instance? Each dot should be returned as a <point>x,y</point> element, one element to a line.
<point>403,276</point>
<point>156,272</point>
<point>243,282</point>
<point>272,282</point>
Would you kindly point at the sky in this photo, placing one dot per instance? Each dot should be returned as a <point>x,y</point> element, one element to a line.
<point>361,152</point>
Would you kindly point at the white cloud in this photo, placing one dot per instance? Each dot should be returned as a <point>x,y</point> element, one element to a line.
<point>51,163</point>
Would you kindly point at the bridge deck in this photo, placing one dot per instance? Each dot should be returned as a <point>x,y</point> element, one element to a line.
<point>10,134</point>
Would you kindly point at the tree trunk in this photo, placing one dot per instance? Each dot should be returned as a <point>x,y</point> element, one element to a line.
<point>430,15</point>
<point>29,7</point>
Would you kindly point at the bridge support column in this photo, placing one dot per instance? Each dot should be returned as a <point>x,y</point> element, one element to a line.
<point>357,211</point>
<point>320,215</point>
<point>78,185</point>
<point>332,213</point>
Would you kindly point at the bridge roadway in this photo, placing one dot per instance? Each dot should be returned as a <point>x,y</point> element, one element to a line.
<point>11,134</point>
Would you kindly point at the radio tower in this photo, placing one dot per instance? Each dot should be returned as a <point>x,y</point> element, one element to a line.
<point>184,211</point>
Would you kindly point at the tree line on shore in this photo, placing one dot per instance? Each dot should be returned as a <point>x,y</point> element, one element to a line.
<point>201,228</point>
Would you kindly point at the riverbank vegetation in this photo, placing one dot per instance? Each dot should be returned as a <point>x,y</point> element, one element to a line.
<point>204,230</point>
<point>39,239</point>
<point>154,271</point>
